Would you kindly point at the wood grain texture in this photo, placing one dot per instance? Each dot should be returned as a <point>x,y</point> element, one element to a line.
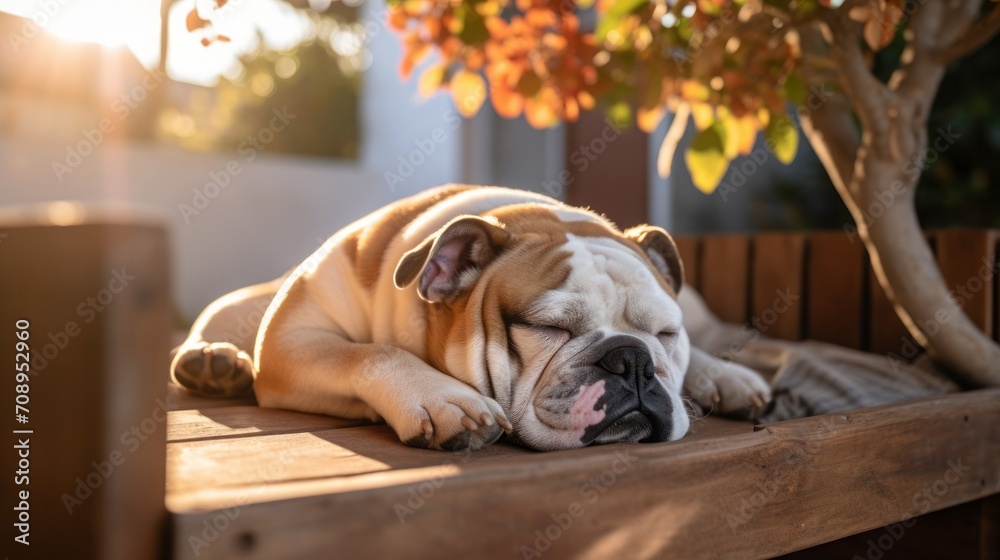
<point>836,276</point>
<point>689,249</point>
<point>179,398</point>
<point>239,421</point>
<point>966,258</point>
<point>725,276</point>
<point>97,296</point>
<point>887,334</point>
<point>756,494</point>
<point>778,284</point>
<point>606,168</point>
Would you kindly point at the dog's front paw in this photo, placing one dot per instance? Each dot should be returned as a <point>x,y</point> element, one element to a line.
<point>726,387</point>
<point>456,419</point>
<point>215,370</point>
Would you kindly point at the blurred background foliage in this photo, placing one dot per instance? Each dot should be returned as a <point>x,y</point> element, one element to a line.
<point>317,80</point>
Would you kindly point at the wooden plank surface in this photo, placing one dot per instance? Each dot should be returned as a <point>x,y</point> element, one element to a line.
<point>836,295</point>
<point>785,487</point>
<point>966,258</point>
<point>725,275</point>
<point>778,284</point>
<point>886,331</point>
<point>178,398</point>
<point>689,248</point>
<point>239,421</point>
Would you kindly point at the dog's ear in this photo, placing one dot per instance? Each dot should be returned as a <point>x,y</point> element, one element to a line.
<point>662,251</point>
<point>449,261</point>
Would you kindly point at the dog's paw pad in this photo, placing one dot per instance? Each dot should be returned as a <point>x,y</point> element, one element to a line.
<point>215,370</point>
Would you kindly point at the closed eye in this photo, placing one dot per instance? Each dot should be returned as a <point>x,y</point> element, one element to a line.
<point>668,339</point>
<point>546,330</point>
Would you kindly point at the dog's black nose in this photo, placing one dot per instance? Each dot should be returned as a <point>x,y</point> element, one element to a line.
<point>635,402</point>
<point>628,361</point>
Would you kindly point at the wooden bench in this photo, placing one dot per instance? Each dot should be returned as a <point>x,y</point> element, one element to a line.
<point>302,486</point>
<point>246,482</point>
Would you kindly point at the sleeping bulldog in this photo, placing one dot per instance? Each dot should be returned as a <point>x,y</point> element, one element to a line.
<point>462,313</point>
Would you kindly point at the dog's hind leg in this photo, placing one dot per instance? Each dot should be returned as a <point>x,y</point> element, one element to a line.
<point>215,359</point>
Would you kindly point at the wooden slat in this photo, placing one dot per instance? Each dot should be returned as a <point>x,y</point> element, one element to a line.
<point>836,276</point>
<point>967,261</point>
<point>725,269</point>
<point>239,421</point>
<point>886,332</point>
<point>599,154</point>
<point>783,488</point>
<point>778,284</point>
<point>688,246</point>
<point>178,398</point>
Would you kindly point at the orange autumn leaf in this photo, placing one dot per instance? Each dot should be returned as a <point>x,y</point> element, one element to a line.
<point>648,118</point>
<point>507,103</point>
<point>542,110</point>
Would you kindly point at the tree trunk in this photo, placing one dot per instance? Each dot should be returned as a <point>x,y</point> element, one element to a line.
<point>879,192</point>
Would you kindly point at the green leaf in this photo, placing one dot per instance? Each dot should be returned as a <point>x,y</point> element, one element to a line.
<point>782,138</point>
<point>706,158</point>
<point>620,114</point>
<point>795,90</point>
<point>615,14</point>
<point>474,30</point>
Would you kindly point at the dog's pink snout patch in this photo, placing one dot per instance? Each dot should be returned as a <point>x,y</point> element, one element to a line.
<point>583,414</point>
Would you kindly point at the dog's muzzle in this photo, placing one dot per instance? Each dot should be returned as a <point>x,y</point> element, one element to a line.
<point>637,406</point>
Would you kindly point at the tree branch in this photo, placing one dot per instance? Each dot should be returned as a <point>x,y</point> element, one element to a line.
<point>829,123</point>
<point>834,137</point>
<point>868,96</point>
<point>978,35</point>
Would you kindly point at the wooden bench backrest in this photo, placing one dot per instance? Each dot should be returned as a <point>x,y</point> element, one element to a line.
<point>834,294</point>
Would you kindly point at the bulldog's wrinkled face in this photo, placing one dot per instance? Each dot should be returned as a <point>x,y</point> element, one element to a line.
<point>601,358</point>
<point>570,325</point>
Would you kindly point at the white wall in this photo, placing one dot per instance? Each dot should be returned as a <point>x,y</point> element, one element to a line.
<point>267,219</point>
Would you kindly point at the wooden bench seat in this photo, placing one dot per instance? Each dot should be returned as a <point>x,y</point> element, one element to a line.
<point>245,482</point>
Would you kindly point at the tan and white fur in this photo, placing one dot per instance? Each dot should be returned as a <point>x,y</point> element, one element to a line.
<point>465,312</point>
